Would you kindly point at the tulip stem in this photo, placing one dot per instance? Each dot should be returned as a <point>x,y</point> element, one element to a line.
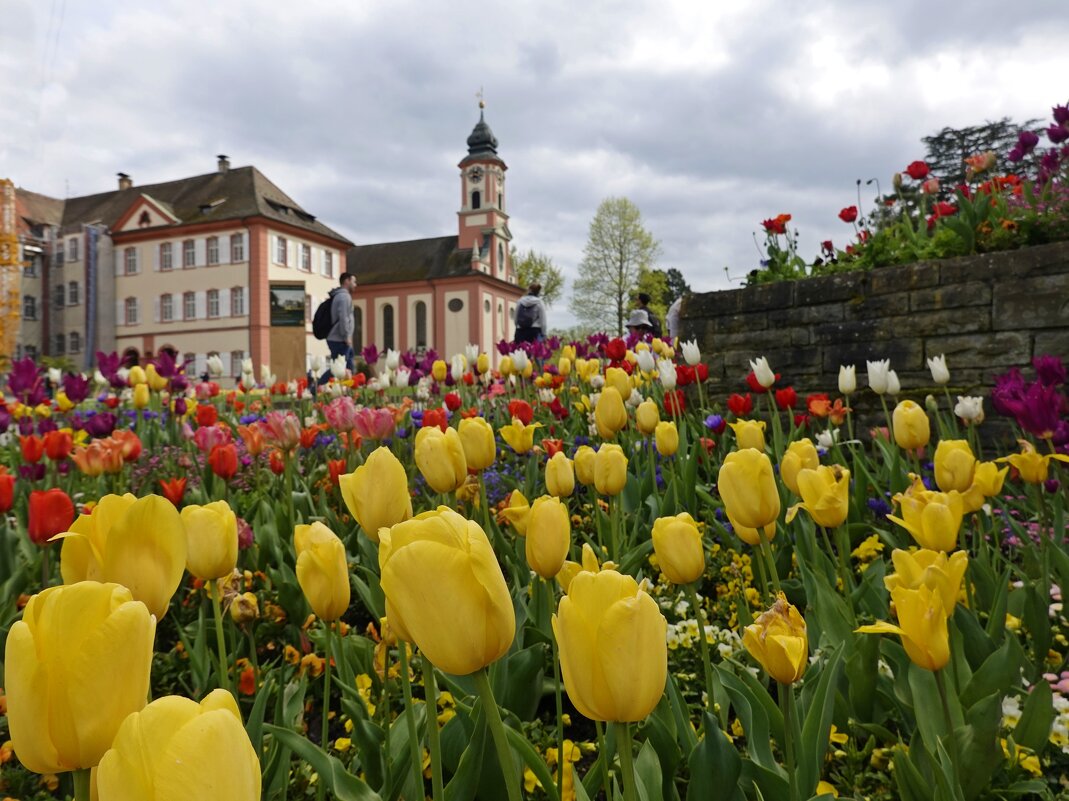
<point>786,701</point>
<point>430,683</point>
<point>941,685</point>
<point>627,763</point>
<point>497,730</point>
<point>703,646</point>
<point>557,691</point>
<point>766,552</point>
<point>410,714</point>
<point>324,739</point>
<point>82,784</point>
<point>220,640</point>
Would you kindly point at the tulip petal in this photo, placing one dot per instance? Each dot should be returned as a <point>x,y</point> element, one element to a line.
<point>632,652</point>
<point>27,702</point>
<point>579,668</point>
<point>146,552</point>
<point>224,764</point>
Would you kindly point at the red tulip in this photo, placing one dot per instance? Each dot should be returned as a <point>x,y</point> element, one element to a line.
<point>7,490</point>
<point>786,398</point>
<point>130,442</point>
<point>849,214</point>
<point>552,447</point>
<point>224,460</point>
<point>206,415</point>
<point>701,370</point>
<point>675,402</point>
<point>336,468</point>
<point>452,401</point>
<point>277,463</point>
<point>521,410</point>
<point>918,170</point>
<point>740,405</point>
<point>58,445</point>
<point>51,513</point>
<point>615,349</point>
<point>174,490</point>
<point>436,417</point>
<point>33,448</point>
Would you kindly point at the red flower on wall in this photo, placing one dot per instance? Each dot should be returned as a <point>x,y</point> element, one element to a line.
<point>849,214</point>
<point>918,170</point>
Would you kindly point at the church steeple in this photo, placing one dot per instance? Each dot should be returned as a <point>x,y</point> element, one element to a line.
<point>483,222</point>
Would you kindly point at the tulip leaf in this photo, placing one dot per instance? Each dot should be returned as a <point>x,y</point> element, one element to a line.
<point>1037,620</point>
<point>978,753</point>
<point>521,681</point>
<point>663,740</point>
<point>752,714</point>
<point>338,781</point>
<point>465,781</point>
<point>996,621</point>
<point>862,674</point>
<point>715,766</point>
<point>999,671</point>
<point>254,725</point>
<point>681,716</point>
<point>975,645</point>
<point>927,705</point>
<point>1033,729</point>
<point>816,727</point>
<point>911,783</point>
<point>648,773</point>
<point>530,757</point>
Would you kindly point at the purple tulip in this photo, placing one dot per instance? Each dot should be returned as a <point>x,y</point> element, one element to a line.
<point>1008,393</point>
<point>32,472</point>
<point>1050,370</point>
<point>1058,133</point>
<point>101,424</point>
<point>370,354</point>
<point>47,424</point>
<point>25,426</point>
<point>1041,409</point>
<point>1027,141</point>
<point>5,419</point>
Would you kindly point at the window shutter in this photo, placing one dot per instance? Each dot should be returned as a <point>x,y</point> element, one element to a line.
<point>118,261</point>
<point>291,253</point>
<point>272,248</point>
<point>156,310</point>
<point>200,249</point>
<point>156,258</point>
<point>224,302</point>
<point>225,359</point>
<point>201,362</point>
<point>224,249</point>
<point>137,310</point>
<point>201,306</point>
<point>120,312</point>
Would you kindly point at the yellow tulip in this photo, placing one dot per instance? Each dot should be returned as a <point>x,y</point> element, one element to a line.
<point>212,537</point>
<point>610,415</point>
<point>518,436</point>
<point>584,465</point>
<point>440,458</point>
<point>156,382</point>
<point>564,366</point>
<point>376,493</point>
<point>778,640</point>
<point>587,368</point>
<point>439,370</point>
<point>322,570</point>
<point>800,455</point>
<point>647,416</point>
<point>517,512</point>
<point>932,569</point>
<point>136,376</point>
<point>1033,468</point>
<point>445,591</point>
<point>138,543</point>
<point>245,608</point>
<point>911,426</point>
<point>749,434</point>
<point>922,625</point>
<point>954,465</point>
<point>569,570</point>
<point>74,667</point>
<point>477,438</point>
<point>678,545</point>
<point>505,366</point>
<point>825,495</point>
<point>549,534</point>
<point>613,647</point>
<point>141,396</point>
<point>482,364</point>
<point>618,378</point>
<point>176,749</point>
<point>63,403</point>
<point>988,478</point>
<point>666,438</point>
<point>610,470</point>
<point>932,518</point>
<point>749,489</point>
<point>560,476</point>
<point>568,352</point>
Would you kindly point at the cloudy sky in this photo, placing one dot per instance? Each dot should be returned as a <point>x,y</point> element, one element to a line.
<point>709,116</point>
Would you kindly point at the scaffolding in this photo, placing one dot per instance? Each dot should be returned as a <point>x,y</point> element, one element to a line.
<point>10,274</point>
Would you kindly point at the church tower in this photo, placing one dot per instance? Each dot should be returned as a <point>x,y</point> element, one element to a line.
<point>483,222</point>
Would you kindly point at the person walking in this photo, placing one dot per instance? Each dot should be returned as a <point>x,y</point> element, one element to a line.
<point>655,321</point>
<point>340,338</point>
<point>530,316</point>
<point>671,319</point>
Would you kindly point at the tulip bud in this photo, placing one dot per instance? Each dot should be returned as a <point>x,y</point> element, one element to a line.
<point>800,455</point>
<point>564,366</point>
<point>647,416</point>
<point>141,396</point>
<point>549,534</point>
<point>482,364</point>
<point>954,465</point>
<point>245,608</point>
<point>748,489</point>
<point>678,546</point>
<point>136,376</point>
<point>877,375</point>
<point>440,458</point>
<point>584,465</point>
<point>617,377</point>
<point>477,438</point>
<point>666,372</point>
<point>667,438</point>
<point>691,353</point>
<point>610,415</point>
<point>762,372</point>
<point>212,539</point>
<point>931,405</point>
<point>912,428</point>
<point>825,495</point>
<point>749,434</point>
<point>376,493</point>
<point>778,640</point>
<point>560,476</point>
<point>610,470</point>
<point>893,386</point>
<point>322,570</point>
<point>847,379</point>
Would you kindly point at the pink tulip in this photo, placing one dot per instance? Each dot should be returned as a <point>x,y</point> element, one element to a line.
<point>376,424</point>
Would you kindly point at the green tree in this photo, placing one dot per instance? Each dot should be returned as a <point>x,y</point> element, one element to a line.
<point>947,149</point>
<point>533,267</point>
<point>618,250</point>
<point>655,284</point>
<point>677,285</point>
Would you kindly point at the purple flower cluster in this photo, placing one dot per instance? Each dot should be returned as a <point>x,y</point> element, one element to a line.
<point>1040,407</point>
<point>1054,158</point>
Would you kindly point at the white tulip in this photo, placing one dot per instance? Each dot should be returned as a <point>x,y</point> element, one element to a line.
<point>970,408</point>
<point>646,361</point>
<point>635,399</point>
<point>215,365</point>
<point>291,388</point>
<point>55,375</point>
<point>337,367</point>
<point>938,366</point>
<point>471,352</point>
<point>893,387</point>
<point>458,367</point>
<point>762,372</point>
<point>826,439</point>
<point>265,375</point>
<point>319,364</point>
<point>546,395</point>
<point>393,358</point>
<point>691,353</point>
<point>123,373</point>
<point>374,384</point>
<point>597,381</point>
<point>519,360</point>
<point>246,365</point>
<point>666,370</point>
<point>335,389</point>
<point>98,379</point>
<point>248,379</point>
<point>402,376</point>
<point>847,379</point>
<point>877,375</point>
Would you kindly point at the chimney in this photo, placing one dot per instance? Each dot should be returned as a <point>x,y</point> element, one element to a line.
<point>224,163</point>
<point>125,181</point>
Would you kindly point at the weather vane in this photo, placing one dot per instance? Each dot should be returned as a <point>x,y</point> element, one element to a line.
<point>479,94</point>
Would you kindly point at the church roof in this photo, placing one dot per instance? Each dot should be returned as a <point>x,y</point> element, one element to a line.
<point>234,194</point>
<point>482,144</point>
<point>414,260</point>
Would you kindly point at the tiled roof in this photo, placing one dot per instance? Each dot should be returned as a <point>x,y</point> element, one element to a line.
<point>414,260</point>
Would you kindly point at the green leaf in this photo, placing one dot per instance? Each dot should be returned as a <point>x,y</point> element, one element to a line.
<point>817,726</point>
<point>715,766</point>
<point>978,755</point>
<point>522,681</point>
<point>465,781</point>
<point>927,705</point>
<point>1033,729</point>
<point>255,723</point>
<point>648,772</point>
<point>999,672</point>
<point>754,720</point>
<point>339,782</point>
<point>911,783</point>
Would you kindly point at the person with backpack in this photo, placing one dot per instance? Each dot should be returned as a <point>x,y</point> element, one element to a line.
<point>530,316</point>
<point>333,321</point>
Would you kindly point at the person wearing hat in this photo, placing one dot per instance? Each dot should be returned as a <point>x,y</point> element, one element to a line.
<point>639,323</point>
<point>655,321</point>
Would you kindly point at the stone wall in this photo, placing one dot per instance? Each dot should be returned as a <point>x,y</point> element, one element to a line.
<point>985,313</point>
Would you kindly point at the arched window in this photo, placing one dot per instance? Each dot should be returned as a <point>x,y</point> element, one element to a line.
<point>500,259</point>
<point>421,324</point>
<point>476,200</point>
<point>387,326</point>
<point>358,328</point>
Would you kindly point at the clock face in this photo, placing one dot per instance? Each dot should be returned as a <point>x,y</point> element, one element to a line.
<point>476,174</point>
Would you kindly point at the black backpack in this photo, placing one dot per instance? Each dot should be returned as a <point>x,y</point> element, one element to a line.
<point>323,319</point>
<point>525,315</point>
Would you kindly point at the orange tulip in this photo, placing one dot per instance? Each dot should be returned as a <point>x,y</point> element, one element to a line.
<point>58,445</point>
<point>254,439</point>
<point>33,448</point>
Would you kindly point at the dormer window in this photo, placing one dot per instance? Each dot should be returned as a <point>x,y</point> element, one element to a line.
<point>144,221</point>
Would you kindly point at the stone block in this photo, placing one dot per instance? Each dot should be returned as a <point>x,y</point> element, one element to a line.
<point>800,336</point>
<point>905,354</point>
<point>981,350</point>
<point>850,332</point>
<point>871,307</point>
<point>807,315</point>
<point>1041,302</point>
<point>735,323</point>
<point>950,296</point>
<point>911,276</point>
<point>711,304</point>
<point>826,288</point>
<point>1053,342</point>
<point>937,323</point>
<point>779,295</point>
